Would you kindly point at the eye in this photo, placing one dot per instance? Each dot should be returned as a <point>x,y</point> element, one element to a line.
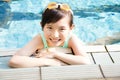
<point>49,27</point>
<point>62,29</point>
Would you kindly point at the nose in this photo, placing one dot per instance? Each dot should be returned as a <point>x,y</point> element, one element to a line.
<point>55,34</point>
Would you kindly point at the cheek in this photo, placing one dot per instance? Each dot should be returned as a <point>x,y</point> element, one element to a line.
<point>46,32</point>
<point>65,34</point>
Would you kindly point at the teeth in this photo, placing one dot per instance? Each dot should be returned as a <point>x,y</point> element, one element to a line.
<point>55,40</point>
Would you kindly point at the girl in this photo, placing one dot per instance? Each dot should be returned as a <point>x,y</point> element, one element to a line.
<point>54,43</point>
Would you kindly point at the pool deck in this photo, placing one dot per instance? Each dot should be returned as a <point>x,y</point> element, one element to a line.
<point>105,65</point>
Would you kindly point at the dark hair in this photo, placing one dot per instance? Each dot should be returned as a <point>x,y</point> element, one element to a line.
<point>54,15</point>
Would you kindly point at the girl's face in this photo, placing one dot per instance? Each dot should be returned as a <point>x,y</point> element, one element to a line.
<point>56,33</point>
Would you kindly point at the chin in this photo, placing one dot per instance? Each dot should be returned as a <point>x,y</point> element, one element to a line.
<point>56,45</point>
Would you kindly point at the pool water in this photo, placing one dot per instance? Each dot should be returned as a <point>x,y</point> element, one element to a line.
<point>95,20</point>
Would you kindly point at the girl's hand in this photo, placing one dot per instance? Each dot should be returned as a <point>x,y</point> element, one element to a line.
<point>47,53</point>
<point>51,52</point>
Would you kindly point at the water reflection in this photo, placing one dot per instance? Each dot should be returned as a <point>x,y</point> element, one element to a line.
<point>25,16</point>
<point>5,14</point>
<point>95,24</point>
<point>93,11</point>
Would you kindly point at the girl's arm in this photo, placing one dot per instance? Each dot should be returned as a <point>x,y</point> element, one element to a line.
<point>25,61</point>
<point>79,57</point>
<point>18,61</point>
<point>22,57</point>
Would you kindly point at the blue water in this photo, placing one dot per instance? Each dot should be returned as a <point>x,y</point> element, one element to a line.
<point>93,19</point>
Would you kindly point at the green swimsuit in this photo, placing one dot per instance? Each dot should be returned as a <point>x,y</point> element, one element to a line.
<point>45,42</point>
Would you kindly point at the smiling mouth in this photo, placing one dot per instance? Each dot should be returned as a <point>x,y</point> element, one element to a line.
<point>55,40</point>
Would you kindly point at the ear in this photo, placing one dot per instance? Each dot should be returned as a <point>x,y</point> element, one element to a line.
<point>72,27</point>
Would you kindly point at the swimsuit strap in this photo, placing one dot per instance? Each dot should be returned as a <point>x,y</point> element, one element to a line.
<point>44,40</point>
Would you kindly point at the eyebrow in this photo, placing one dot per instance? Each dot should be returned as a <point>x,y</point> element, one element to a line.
<point>62,26</point>
<point>49,24</point>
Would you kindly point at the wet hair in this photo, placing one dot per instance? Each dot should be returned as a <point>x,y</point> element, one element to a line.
<point>54,15</point>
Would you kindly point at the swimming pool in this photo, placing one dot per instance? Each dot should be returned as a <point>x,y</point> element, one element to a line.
<point>94,20</point>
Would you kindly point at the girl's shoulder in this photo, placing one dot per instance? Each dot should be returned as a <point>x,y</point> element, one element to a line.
<point>38,41</point>
<point>74,39</point>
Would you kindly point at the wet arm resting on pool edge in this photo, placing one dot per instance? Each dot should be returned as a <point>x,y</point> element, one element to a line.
<point>80,56</point>
<point>22,57</point>
<point>26,61</point>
